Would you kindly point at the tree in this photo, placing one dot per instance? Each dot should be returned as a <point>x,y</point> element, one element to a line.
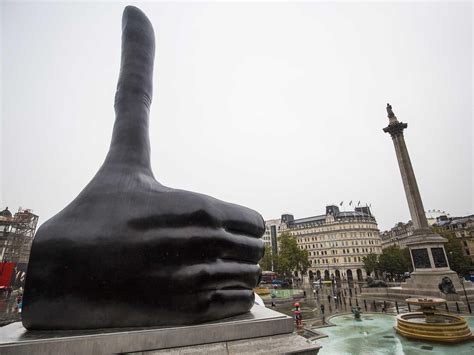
<point>266,262</point>
<point>457,260</point>
<point>290,258</point>
<point>405,255</point>
<point>371,263</point>
<point>393,261</point>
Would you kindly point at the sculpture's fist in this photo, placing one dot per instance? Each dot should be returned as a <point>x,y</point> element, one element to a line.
<point>129,251</point>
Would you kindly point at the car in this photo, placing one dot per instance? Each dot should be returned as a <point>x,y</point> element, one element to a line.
<point>280,283</point>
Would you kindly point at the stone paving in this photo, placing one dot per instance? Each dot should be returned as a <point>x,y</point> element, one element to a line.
<point>310,306</point>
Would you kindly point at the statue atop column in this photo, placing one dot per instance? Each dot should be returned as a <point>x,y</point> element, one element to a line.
<point>389,111</point>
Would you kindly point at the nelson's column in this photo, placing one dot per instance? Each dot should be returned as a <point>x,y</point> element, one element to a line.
<point>432,273</point>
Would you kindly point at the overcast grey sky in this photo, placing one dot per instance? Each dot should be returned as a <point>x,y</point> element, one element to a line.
<point>275,106</point>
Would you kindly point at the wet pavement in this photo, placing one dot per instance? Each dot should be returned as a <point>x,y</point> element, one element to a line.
<point>310,306</point>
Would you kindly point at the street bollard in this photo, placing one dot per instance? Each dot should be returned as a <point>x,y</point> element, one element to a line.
<point>365,305</point>
<point>396,306</point>
<point>375,306</point>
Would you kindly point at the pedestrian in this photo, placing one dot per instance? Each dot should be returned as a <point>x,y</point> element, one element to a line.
<point>298,316</point>
<point>322,309</point>
<point>304,293</point>
<point>314,293</point>
<point>19,302</point>
<point>317,293</point>
<point>329,299</point>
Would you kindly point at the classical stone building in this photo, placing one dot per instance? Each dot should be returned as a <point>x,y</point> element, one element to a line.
<point>336,241</point>
<point>463,229</point>
<point>398,235</point>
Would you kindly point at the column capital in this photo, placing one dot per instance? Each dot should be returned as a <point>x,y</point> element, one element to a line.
<point>395,129</point>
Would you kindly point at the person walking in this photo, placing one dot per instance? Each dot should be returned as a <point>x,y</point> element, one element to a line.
<point>322,313</point>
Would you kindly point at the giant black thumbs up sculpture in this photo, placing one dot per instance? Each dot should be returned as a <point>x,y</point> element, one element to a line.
<point>129,251</point>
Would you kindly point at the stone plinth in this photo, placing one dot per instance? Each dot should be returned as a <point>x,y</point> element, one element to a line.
<point>259,323</point>
<point>425,284</point>
<point>277,344</point>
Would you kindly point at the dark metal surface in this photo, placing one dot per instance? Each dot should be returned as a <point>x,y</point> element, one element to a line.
<point>420,258</point>
<point>375,283</point>
<point>439,258</point>
<point>129,251</point>
<point>446,286</point>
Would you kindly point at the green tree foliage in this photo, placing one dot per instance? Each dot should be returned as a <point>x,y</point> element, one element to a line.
<point>290,258</point>
<point>266,261</point>
<point>371,263</point>
<point>405,254</point>
<point>393,261</point>
<point>457,260</point>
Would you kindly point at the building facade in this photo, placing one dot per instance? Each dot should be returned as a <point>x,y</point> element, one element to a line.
<point>272,231</point>
<point>16,236</point>
<point>398,235</point>
<point>336,241</point>
<point>463,229</point>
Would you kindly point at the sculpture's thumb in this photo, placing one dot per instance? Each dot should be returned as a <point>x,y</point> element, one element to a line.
<point>130,139</point>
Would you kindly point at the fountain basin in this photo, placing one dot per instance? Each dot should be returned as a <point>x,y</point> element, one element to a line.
<point>375,335</point>
<point>443,327</point>
<point>429,325</point>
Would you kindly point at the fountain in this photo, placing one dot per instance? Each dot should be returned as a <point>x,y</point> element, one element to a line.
<point>428,324</point>
<point>356,311</point>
